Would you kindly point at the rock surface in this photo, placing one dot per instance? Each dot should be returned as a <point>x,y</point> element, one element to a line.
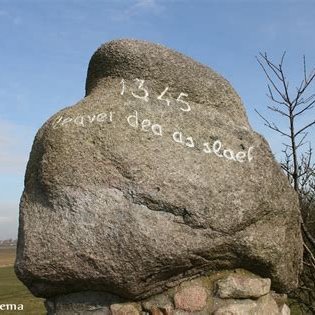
<point>193,297</point>
<point>285,310</point>
<point>241,286</point>
<point>241,307</point>
<point>83,303</point>
<point>265,305</point>
<point>125,309</point>
<point>154,177</point>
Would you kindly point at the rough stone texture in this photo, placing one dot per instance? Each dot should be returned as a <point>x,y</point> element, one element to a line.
<point>82,303</point>
<point>241,286</point>
<point>184,299</point>
<point>266,305</point>
<point>155,311</point>
<point>285,310</point>
<point>159,301</point>
<point>168,310</point>
<point>133,208</point>
<point>191,298</point>
<point>125,309</point>
<point>280,299</point>
<point>241,307</point>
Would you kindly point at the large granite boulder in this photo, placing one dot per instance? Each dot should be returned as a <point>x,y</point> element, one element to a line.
<point>154,177</point>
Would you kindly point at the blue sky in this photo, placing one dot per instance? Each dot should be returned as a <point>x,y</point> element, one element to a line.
<point>45,47</point>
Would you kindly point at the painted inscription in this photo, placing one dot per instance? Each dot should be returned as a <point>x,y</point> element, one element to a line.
<point>216,148</point>
<point>141,92</point>
<point>145,124</point>
<point>83,120</point>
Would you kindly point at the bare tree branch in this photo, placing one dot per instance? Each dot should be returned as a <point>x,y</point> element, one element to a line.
<point>269,77</point>
<point>297,164</point>
<point>304,128</point>
<point>308,107</point>
<point>272,125</point>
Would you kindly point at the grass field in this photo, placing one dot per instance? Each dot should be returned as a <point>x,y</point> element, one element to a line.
<point>12,291</point>
<point>7,256</point>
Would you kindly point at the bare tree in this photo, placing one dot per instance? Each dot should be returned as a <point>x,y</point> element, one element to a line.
<point>298,163</point>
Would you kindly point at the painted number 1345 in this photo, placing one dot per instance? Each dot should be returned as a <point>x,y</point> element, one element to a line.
<point>142,93</point>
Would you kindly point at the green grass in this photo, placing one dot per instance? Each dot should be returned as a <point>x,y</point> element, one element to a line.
<point>12,290</point>
<point>7,256</point>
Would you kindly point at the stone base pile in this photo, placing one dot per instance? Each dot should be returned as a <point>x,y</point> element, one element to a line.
<point>235,292</point>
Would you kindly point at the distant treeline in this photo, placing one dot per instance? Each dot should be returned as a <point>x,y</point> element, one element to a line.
<point>9,242</point>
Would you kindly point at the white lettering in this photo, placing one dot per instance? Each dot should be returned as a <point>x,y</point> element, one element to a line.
<point>66,121</point>
<point>143,94</point>
<point>160,97</point>
<point>157,129</point>
<point>190,142</point>
<point>141,88</point>
<point>101,117</point>
<point>133,120</point>
<point>178,137</point>
<point>11,307</point>
<point>187,109</point>
<point>216,147</point>
<point>91,118</point>
<point>145,125</point>
<point>207,148</point>
<point>240,156</point>
<point>122,82</point>
<point>249,154</point>
<point>56,122</point>
<point>229,154</point>
<point>79,121</point>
